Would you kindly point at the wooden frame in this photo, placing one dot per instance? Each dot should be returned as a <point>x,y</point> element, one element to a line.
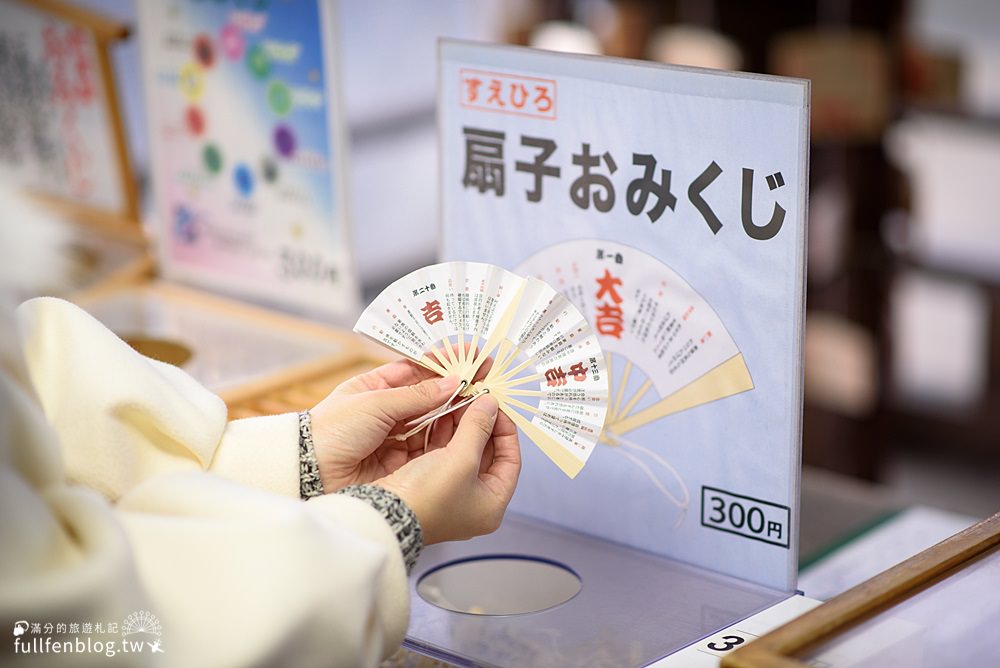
<point>124,223</point>
<point>302,393</point>
<point>142,268</point>
<point>782,647</point>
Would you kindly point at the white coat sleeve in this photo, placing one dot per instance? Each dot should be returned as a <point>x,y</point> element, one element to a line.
<point>237,573</point>
<point>243,577</point>
<point>122,417</point>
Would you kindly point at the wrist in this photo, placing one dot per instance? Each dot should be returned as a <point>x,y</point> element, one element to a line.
<point>310,481</point>
<point>401,518</point>
<point>412,501</point>
<point>336,463</point>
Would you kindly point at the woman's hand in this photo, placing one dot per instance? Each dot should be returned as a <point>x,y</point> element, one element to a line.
<point>462,489</point>
<point>353,427</point>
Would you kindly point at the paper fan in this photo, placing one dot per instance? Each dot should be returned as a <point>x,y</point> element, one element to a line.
<point>670,338</point>
<point>452,317</point>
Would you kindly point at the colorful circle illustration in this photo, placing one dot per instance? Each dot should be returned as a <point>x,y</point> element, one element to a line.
<point>279,97</point>
<point>212,158</point>
<point>194,119</point>
<point>258,62</point>
<point>204,50</point>
<point>231,41</point>
<point>269,170</point>
<point>192,82</point>
<point>284,141</point>
<point>243,178</point>
<point>185,225</point>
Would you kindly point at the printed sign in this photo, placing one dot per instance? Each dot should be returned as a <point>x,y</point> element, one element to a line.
<point>57,124</point>
<point>247,145</point>
<point>668,205</point>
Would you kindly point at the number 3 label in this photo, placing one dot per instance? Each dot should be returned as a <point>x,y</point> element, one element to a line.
<point>726,641</point>
<point>729,642</point>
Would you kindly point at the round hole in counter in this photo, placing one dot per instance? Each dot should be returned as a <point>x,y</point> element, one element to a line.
<point>163,350</point>
<point>500,584</point>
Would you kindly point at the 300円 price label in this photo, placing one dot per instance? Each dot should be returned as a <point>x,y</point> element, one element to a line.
<point>745,516</point>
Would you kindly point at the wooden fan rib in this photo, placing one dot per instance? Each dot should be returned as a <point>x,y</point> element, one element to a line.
<point>506,385</point>
<point>639,394</point>
<point>622,382</point>
<point>559,455</point>
<point>429,363</point>
<point>729,378</point>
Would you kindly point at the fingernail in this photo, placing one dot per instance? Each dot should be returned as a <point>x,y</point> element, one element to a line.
<point>447,384</point>
<point>485,404</point>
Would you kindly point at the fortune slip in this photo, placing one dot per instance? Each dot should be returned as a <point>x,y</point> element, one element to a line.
<point>548,371</point>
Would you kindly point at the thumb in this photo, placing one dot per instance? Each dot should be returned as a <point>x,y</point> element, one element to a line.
<point>399,403</point>
<point>476,427</point>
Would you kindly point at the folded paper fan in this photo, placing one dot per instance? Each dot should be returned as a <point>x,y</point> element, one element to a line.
<point>668,337</point>
<point>454,316</point>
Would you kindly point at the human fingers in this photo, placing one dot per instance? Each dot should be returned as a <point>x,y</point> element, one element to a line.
<point>444,428</point>
<point>475,429</point>
<point>483,369</point>
<point>442,432</point>
<point>502,474</point>
<point>394,374</point>
<point>504,426</point>
<point>444,487</point>
<point>399,403</point>
<point>487,458</point>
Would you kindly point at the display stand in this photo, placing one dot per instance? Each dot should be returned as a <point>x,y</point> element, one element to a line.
<point>633,607</point>
<point>668,204</point>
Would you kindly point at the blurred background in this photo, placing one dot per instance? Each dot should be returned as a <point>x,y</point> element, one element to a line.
<point>902,370</point>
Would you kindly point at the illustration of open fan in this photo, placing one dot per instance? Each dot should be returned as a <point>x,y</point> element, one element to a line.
<point>452,317</point>
<point>668,338</point>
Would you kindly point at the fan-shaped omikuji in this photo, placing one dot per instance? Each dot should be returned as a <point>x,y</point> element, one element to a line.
<point>452,317</point>
<point>648,314</point>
